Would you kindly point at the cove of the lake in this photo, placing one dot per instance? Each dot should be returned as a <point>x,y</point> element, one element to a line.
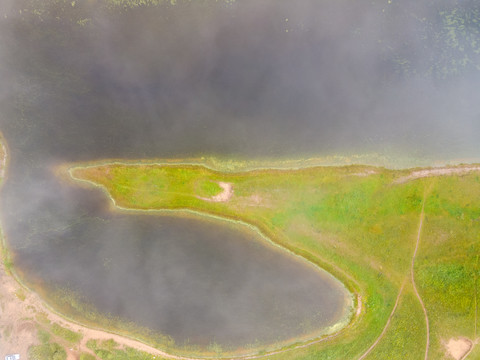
<point>83,81</point>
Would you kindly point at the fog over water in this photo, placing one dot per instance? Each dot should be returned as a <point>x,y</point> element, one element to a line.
<point>90,80</point>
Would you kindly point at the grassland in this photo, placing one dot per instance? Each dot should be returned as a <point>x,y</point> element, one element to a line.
<point>358,223</point>
<point>110,350</point>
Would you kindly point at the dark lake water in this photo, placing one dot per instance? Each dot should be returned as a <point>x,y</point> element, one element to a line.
<point>236,79</point>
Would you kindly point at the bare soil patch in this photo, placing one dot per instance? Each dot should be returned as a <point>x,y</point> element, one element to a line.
<point>224,196</point>
<point>359,305</point>
<point>458,348</point>
<point>17,328</point>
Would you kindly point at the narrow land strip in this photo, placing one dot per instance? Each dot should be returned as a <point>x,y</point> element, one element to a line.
<point>475,297</point>
<point>437,172</point>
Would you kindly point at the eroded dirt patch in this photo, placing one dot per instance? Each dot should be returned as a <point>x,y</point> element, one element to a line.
<point>458,348</point>
<point>224,196</point>
<point>17,329</point>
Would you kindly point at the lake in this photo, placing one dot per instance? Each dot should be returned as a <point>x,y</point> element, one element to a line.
<point>233,79</point>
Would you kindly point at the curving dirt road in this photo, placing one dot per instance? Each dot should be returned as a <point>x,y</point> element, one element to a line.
<point>412,278</point>
<point>412,274</point>
<point>386,325</point>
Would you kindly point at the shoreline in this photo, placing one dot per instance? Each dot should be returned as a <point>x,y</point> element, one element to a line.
<point>355,295</point>
<point>229,165</point>
<point>352,308</point>
<point>345,279</point>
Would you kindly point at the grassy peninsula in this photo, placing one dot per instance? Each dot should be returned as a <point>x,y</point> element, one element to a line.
<point>362,224</point>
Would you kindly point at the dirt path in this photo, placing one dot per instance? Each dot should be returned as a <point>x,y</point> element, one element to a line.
<point>437,172</point>
<point>386,325</point>
<point>412,274</point>
<point>412,278</point>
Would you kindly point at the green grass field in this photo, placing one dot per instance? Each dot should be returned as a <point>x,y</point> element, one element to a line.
<point>357,223</point>
<point>110,350</point>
